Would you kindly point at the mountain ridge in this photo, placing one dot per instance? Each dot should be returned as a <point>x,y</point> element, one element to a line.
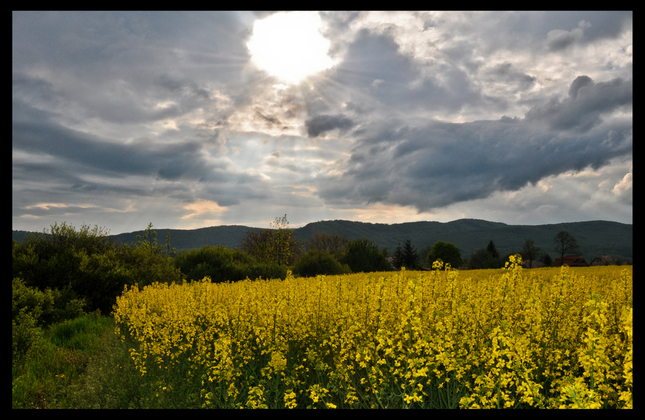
<point>595,237</point>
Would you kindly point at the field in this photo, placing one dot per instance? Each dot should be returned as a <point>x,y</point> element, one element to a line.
<point>508,338</point>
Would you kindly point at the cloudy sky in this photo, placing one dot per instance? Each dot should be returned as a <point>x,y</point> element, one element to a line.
<point>195,119</point>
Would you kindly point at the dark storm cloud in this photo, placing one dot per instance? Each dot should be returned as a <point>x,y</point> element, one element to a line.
<point>507,73</point>
<point>439,164</point>
<point>141,157</point>
<point>323,123</point>
<point>579,82</point>
<point>586,102</point>
<point>70,154</point>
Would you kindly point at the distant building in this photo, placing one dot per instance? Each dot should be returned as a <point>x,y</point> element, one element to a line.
<point>571,261</point>
<point>532,264</point>
<point>605,260</point>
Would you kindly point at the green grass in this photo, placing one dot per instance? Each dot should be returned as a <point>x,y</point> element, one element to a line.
<point>57,359</point>
<point>110,379</point>
<point>81,363</point>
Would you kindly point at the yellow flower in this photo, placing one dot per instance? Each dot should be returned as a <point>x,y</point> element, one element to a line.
<point>485,335</point>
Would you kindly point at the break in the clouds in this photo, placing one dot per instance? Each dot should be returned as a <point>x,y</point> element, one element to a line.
<point>124,118</point>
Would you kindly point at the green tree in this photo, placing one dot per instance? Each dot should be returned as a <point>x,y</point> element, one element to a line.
<point>223,264</point>
<point>483,258</point>
<point>565,244</point>
<point>149,241</point>
<point>275,244</point>
<point>363,255</point>
<point>280,245</point>
<point>446,252</point>
<point>492,249</point>
<point>410,256</point>
<point>546,260</point>
<point>316,262</point>
<point>256,244</point>
<point>406,256</point>
<point>397,258</point>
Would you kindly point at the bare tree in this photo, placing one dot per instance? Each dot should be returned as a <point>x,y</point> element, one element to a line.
<point>276,244</point>
<point>565,243</point>
<point>530,252</point>
<point>332,243</point>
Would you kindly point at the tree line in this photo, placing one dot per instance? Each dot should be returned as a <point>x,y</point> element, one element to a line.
<point>66,272</point>
<point>488,257</point>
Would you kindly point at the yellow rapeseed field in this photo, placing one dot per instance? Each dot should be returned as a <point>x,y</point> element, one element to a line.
<point>546,338</point>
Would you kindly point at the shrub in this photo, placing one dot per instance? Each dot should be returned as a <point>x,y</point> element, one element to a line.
<point>316,262</point>
<point>45,307</point>
<point>32,309</point>
<point>363,255</point>
<point>446,252</point>
<point>224,264</point>
<point>86,265</point>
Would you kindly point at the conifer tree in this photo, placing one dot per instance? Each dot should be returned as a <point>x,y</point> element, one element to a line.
<point>410,256</point>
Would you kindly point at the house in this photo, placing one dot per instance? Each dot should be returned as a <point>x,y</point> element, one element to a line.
<point>532,264</point>
<point>605,260</point>
<point>571,261</point>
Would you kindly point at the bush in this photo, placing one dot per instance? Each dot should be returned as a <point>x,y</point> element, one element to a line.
<point>224,264</point>
<point>447,252</point>
<point>25,334</point>
<point>45,307</point>
<point>29,301</point>
<point>363,255</point>
<point>86,265</point>
<point>316,262</point>
<point>32,309</point>
<point>143,265</point>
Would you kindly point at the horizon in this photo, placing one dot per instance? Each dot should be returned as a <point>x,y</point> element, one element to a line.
<point>110,233</point>
<point>198,119</point>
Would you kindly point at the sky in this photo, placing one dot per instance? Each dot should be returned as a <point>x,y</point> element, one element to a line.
<point>194,119</point>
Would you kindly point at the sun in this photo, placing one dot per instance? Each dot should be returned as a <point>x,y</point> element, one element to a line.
<point>290,46</point>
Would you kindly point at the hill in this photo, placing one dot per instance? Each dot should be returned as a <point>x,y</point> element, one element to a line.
<point>593,237</point>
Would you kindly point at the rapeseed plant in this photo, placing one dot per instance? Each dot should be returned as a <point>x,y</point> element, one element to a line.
<point>482,339</point>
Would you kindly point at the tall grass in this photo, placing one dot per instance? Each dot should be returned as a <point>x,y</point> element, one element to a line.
<point>58,357</point>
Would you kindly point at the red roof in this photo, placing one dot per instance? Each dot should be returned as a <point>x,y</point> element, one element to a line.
<point>571,261</point>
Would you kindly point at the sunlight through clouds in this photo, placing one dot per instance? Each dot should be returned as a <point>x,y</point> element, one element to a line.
<point>202,207</point>
<point>201,213</point>
<point>203,118</point>
<point>290,46</point>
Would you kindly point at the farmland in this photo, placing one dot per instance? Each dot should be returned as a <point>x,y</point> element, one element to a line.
<point>508,338</point>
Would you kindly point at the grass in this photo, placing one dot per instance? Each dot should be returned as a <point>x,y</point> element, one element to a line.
<point>80,363</point>
<point>109,380</point>
<point>62,356</point>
